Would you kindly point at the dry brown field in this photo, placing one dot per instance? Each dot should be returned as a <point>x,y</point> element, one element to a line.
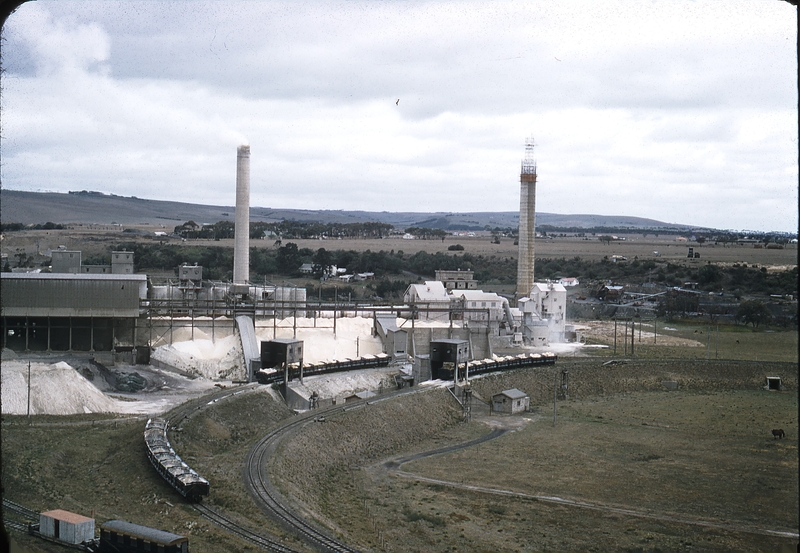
<point>628,466</point>
<point>96,240</point>
<point>645,469</point>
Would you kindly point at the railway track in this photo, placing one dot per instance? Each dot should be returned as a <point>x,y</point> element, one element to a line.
<point>271,502</point>
<point>258,484</point>
<point>223,522</point>
<point>184,411</point>
<point>24,512</point>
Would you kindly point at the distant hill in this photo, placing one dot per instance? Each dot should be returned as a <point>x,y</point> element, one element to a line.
<point>98,208</point>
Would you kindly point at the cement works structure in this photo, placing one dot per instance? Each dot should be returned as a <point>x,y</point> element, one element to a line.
<point>129,314</point>
<point>117,314</point>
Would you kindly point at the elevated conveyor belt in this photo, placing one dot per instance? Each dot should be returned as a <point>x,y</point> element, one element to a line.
<point>247,333</point>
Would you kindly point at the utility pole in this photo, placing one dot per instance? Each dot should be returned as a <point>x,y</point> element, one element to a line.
<point>29,389</point>
<point>615,335</point>
<point>555,393</point>
<point>625,339</point>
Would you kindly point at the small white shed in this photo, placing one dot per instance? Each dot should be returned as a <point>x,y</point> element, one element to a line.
<point>65,526</point>
<point>510,401</point>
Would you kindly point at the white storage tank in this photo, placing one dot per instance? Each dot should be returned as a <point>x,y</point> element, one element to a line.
<point>65,526</point>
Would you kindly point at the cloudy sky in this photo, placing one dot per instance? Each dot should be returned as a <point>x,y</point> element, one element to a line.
<point>681,111</point>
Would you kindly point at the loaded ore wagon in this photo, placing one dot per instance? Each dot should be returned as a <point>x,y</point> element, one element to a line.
<point>169,465</point>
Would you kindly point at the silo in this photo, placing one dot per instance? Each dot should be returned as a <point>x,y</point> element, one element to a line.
<point>241,250</point>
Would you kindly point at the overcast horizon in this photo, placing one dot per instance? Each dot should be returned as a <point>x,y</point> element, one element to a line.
<point>683,112</point>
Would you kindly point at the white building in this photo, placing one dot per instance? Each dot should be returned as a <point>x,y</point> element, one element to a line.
<point>490,304</point>
<point>431,295</point>
<point>544,313</point>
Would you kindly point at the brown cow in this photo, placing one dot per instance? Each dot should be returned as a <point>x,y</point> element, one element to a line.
<point>778,433</point>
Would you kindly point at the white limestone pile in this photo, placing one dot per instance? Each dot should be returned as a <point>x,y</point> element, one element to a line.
<point>353,337</point>
<point>55,389</point>
<point>217,360</point>
<point>338,385</point>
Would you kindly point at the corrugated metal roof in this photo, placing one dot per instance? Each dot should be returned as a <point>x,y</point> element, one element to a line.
<point>144,532</point>
<point>68,295</point>
<point>476,295</point>
<point>72,276</point>
<point>432,290</point>
<point>66,516</point>
<point>513,393</point>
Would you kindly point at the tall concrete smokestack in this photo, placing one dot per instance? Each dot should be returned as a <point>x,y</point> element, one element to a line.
<point>241,248</point>
<point>527,222</point>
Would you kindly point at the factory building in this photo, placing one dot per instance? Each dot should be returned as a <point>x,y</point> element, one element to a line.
<point>66,312</point>
<point>432,296</point>
<point>457,280</point>
<point>491,306</point>
<point>69,261</point>
<point>550,302</point>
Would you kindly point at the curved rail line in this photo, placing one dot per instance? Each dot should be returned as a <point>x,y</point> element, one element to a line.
<point>262,491</point>
<point>395,464</point>
<point>184,411</point>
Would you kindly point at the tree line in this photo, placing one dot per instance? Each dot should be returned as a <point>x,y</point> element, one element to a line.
<point>285,230</point>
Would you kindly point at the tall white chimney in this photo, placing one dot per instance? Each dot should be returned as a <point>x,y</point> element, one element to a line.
<point>241,248</point>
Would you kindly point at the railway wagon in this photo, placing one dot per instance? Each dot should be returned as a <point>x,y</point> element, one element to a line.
<point>169,465</point>
<point>118,536</point>
<point>512,362</point>
<point>268,376</point>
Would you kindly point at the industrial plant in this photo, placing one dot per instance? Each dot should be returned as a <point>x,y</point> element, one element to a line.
<point>445,330</point>
<point>321,362</point>
<point>124,317</point>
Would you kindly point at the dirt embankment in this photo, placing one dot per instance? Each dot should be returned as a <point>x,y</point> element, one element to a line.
<point>313,463</point>
<point>588,378</point>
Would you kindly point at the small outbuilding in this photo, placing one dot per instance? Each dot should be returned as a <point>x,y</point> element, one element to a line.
<point>66,527</point>
<point>774,383</point>
<point>511,401</point>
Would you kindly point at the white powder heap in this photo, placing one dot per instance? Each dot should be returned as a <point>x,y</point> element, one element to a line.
<point>219,359</point>
<point>55,390</point>
<point>222,359</point>
<point>353,337</point>
<point>345,384</point>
